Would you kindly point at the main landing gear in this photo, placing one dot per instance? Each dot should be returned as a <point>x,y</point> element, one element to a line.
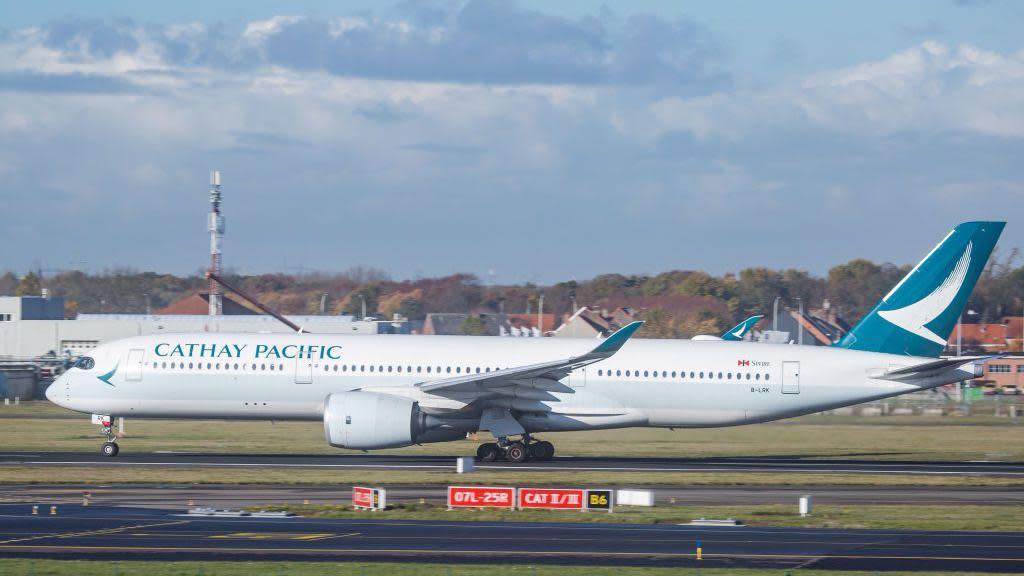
<point>515,451</point>
<point>110,447</point>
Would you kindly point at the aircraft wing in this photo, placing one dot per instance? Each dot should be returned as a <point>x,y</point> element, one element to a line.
<point>553,371</point>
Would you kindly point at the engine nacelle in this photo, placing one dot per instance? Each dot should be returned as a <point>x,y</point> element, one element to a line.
<point>369,420</point>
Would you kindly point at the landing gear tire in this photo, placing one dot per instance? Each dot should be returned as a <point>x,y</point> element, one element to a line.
<point>487,452</point>
<point>516,452</point>
<point>110,449</point>
<point>542,450</point>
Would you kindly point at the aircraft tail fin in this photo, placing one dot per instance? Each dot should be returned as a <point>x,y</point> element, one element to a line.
<point>740,330</point>
<point>917,316</point>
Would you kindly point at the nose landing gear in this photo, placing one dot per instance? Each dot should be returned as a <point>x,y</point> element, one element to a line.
<point>110,447</point>
<point>515,451</point>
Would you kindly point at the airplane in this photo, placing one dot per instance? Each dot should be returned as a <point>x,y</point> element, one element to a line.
<point>734,334</point>
<point>375,392</point>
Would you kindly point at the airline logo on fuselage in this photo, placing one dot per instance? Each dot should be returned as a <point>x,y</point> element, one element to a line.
<point>752,363</point>
<point>259,351</point>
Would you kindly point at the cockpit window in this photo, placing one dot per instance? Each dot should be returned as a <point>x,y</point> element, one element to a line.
<point>85,363</point>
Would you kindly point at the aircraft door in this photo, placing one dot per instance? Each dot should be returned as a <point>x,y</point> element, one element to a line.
<point>303,370</point>
<point>790,377</point>
<point>133,373</point>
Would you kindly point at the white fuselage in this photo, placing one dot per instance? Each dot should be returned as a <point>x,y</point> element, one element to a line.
<point>663,383</point>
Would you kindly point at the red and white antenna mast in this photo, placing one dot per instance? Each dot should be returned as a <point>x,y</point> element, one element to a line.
<point>216,227</point>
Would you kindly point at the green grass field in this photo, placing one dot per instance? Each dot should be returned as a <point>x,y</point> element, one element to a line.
<point>43,427</point>
<point>78,567</point>
<point>879,517</point>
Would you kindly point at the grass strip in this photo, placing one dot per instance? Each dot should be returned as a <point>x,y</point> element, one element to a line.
<point>882,517</point>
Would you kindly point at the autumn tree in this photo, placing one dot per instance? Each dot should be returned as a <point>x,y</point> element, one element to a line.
<point>30,285</point>
<point>473,326</point>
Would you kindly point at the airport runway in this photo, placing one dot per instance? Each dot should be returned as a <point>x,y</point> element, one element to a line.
<point>609,464</point>
<point>126,533</point>
<point>233,496</point>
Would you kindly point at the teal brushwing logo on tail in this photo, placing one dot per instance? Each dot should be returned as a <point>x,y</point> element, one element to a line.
<point>914,318</point>
<point>917,316</point>
<point>740,330</point>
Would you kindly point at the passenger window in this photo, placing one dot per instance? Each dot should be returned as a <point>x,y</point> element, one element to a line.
<point>627,373</point>
<point>371,367</point>
<point>748,376</point>
<point>701,374</point>
<point>389,368</point>
<point>271,367</point>
<point>691,374</point>
<point>208,365</point>
<point>757,376</point>
<point>719,375</point>
<point>263,366</point>
<point>448,369</point>
<point>645,373</point>
<point>765,376</point>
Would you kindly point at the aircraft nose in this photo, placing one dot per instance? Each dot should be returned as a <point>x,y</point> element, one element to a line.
<point>56,391</point>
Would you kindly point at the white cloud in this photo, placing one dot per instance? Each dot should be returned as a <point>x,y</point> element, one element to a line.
<point>925,88</point>
<point>442,157</point>
<point>260,30</point>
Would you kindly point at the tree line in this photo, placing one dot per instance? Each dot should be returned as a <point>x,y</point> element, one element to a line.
<point>678,303</point>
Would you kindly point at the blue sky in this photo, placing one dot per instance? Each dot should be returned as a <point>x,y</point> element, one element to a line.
<point>542,141</point>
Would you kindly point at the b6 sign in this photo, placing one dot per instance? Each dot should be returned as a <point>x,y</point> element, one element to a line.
<point>552,498</point>
<point>481,497</point>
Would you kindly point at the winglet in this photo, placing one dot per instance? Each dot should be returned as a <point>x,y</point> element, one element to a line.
<point>611,344</point>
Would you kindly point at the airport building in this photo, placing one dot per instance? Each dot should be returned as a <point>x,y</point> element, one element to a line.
<point>33,327</point>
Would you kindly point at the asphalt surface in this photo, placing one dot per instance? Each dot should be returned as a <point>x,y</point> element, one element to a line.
<point>127,533</point>
<point>232,496</point>
<point>609,464</point>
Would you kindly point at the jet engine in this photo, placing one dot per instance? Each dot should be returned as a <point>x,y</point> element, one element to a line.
<point>371,420</point>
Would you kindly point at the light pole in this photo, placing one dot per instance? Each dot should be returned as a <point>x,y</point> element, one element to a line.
<point>775,314</point>
<point>959,328</point>
<point>800,323</point>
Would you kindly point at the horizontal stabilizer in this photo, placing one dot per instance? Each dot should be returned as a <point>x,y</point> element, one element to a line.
<point>934,368</point>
